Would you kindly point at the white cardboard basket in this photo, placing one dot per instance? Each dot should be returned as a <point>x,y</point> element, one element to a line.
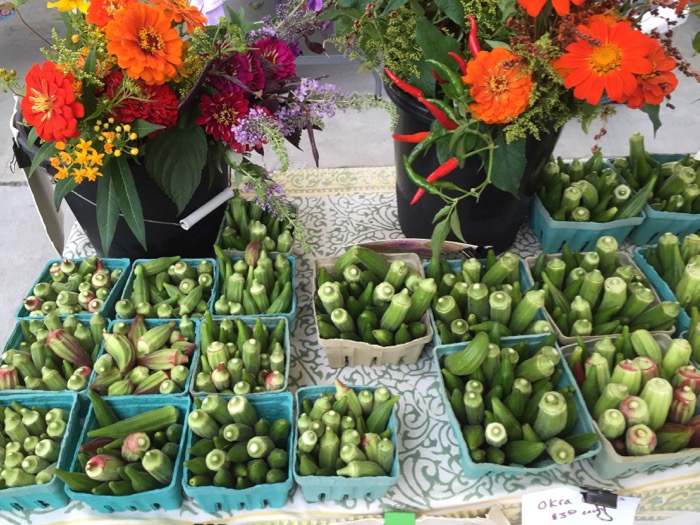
<point>343,352</point>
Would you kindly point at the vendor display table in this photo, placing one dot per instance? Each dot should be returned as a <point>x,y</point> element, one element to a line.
<point>344,207</point>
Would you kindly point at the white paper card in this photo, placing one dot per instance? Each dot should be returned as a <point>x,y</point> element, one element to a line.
<point>565,506</point>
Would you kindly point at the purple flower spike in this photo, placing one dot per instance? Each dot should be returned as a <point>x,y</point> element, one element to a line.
<point>314,5</point>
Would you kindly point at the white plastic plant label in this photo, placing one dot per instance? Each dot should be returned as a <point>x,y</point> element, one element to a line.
<point>566,506</point>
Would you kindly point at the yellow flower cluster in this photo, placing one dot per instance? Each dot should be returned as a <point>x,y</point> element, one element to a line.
<point>83,163</point>
<point>116,141</point>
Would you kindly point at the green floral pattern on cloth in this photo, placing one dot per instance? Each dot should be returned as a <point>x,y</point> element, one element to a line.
<point>340,208</point>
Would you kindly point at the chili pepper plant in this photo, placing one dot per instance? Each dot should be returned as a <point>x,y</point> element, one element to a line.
<point>496,73</point>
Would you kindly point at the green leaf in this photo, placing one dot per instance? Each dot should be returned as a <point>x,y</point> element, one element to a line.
<point>456,226</point>
<point>444,149</point>
<point>441,213</point>
<point>233,158</point>
<point>128,198</point>
<point>440,233</point>
<point>107,209</point>
<point>46,150</point>
<point>32,137</point>
<point>508,165</point>
<point>696,42</point>
<point>497,43</point>
<point>393,5</point>
<point>426,81</point>
<point>507,9</point>
<point>453,9</point>
<point>62,188</point>
<point>90,62</point>
<point>143,127</point>
<point>175,161</point>
<point>434,43</point>
<point>652,112</point>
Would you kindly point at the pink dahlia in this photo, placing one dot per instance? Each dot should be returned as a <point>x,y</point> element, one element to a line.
<point>220,113</point>
<point>278,54</point>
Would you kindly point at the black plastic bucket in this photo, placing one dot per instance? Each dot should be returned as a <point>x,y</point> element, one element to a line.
<point>492,221</point>
<point>164,236</point>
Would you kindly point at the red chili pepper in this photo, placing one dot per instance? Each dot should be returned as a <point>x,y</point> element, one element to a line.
<point>445,121</point>
<point>413,139</point>
<point>437,77</point>
<point>460,62</point>
<point>404,86</point>
<point>442,170</point>
<point>473,41</point>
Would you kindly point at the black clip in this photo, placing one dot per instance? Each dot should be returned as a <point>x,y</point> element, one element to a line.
<point>600,497</point>
<point>476,252</point>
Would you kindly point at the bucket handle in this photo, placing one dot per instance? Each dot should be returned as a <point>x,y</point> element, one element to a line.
<point>205,209</point>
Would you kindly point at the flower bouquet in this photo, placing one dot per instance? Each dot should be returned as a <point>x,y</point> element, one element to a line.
<point>495,75</point>
<point>184,94</point>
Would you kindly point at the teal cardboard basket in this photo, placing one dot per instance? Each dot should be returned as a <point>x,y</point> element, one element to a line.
<point>525,285</point>
<point>271,323</point>
<point>661,287</point>
<point>338,488</point>
<point>288,315</point>
<point>16,337</point>
<point>51,494</point>
<point>152,323</point>
<point>657,223</point>
<point>107,309</point>
<point>473,470</point>
<point>580,236</point>
<point>167,498</point>
<point>215,499</point>
<point>129,283</point>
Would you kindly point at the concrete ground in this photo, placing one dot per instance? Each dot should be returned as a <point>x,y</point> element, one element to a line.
<point>352,139</point>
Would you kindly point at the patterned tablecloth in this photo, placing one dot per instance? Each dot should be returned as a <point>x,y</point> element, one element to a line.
<point>340,208</point>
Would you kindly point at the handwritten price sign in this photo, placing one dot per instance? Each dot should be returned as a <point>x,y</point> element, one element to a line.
<point>566,506</point>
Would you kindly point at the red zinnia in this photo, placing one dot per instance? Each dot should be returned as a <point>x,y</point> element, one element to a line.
<point>653,87</point>
<point>234,66</point>
<point>605,59</point>
<point>258,81</point>
<point>277,53</point>
<point>155,104</point>
<point>219,114</point>
<point>49,105</point>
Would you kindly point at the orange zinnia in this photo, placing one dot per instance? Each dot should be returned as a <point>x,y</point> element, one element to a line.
<point>653,87</point>
<point>605,59</point>
<point>562,7</point>
<point>499,86</point>
<point>50,104</point>
<point>182,11</point>
<point>101,12</point>
<point>145,45</point>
